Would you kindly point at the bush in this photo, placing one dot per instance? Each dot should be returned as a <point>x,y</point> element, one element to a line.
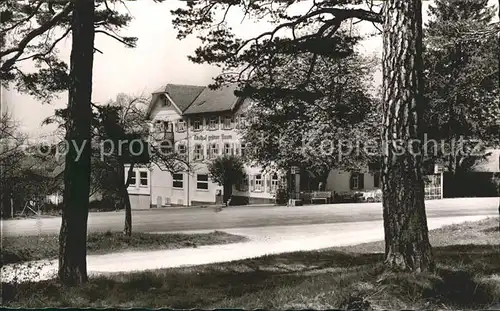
<point>239,200</point>
<point>281,196</point>
<point>348,198</point>
<point>104,205</point>
<point>51,208</point>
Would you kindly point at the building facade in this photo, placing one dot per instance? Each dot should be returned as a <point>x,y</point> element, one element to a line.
<point>200,124</point>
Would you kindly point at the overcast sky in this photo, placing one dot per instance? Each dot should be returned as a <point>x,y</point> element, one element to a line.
<point>159,58</point>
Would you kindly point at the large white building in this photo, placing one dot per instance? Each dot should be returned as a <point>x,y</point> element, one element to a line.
<point>202,124</point>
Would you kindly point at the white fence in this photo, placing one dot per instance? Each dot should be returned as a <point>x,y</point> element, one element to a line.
<point>434,187</point>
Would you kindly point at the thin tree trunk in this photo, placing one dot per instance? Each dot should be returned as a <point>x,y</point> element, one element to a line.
<point>407,244</point>
<point>2,192</point>
<point>324,178</point>
<point>227,193</point>
<point>127,230</point>
<point>496,179</point>
<point>5,201</point>
<point>73,234</point>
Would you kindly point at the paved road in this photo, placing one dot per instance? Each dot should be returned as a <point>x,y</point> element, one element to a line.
<point>188,219</point>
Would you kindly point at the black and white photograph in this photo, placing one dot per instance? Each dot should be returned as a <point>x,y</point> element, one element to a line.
<point>250,154</point>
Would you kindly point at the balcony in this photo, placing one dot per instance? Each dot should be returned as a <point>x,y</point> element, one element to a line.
<point>162,131</point>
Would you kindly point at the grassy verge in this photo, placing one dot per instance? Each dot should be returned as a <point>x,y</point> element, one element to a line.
<point>27,248</point>
<point>467,277</point>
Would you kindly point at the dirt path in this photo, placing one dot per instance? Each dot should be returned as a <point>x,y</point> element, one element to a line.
<point>263,241</point>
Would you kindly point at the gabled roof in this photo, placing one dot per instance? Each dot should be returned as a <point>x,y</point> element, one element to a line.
<point>194,99</point>
<point>222,99</point>
<point>181,95</point>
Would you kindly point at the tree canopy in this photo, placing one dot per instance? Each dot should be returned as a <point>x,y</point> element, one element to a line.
<point>290,131</point>
<point>31,31</point>
<point>226,170</point>
<point>313,35</point>
<point>461,74</point>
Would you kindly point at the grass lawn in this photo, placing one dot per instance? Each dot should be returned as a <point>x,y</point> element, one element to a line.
<point>467,277</point>
<point>27,248</point>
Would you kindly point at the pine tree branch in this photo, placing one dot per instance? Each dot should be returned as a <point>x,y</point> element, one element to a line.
<point>49,50</point>
<point>340,16</point>
<point>7,65</point>
<point>27,18</point>
<point>116,37</point>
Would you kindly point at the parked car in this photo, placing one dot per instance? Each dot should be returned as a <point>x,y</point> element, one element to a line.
<point>371,195</point>
<point>349,197</point>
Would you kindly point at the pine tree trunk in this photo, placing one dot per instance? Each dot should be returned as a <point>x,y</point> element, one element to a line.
<point>127,230</point>
<point>73,234</point>
<point>407,244</point>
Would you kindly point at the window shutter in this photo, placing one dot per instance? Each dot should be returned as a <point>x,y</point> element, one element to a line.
<point>252,183</point>
<point>351,181</point>
<point>361,182</point>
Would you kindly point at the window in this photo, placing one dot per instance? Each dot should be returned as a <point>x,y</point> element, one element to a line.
<point>161,129</point>
<point>143,179</point>
<point>181,126</point>
<point>133,181</point>
<point>228,122</point>
<point>163,126</point>
<point>181,148</point>
<point>213,123</point>
<point>257,183</point>
<point>197,124</point>
<point>164,102</point>
<point>357,181</point>
<point>198,152</point>
<point>167,126</point>
<point>214,151</point>
<point>243,185</point>
<point>165,147</point>
<point>177,181</point>
<point>228,149</point>
<point>241,121</point>
<point>202,182</point>
<point>376,179</point>
<point>157,131</point>
<point>158,126</point>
